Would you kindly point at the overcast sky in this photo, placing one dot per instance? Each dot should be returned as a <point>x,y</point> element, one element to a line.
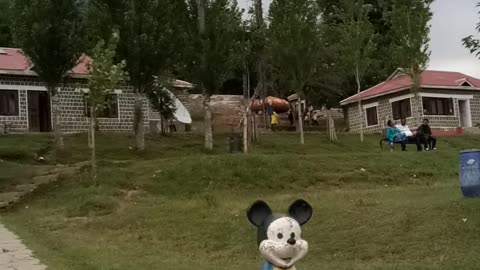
<point>452,20</point>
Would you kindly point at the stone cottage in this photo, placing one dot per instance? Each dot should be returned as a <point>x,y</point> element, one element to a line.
<point>450,100</point>
<point>25,105</point>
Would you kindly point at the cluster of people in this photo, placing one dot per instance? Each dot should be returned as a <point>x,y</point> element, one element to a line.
<point>310,117</point>
<point>402,134</point>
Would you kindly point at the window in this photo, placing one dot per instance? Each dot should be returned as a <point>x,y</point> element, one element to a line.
<point>401,109</point>
<point>372,118</point>
<point>9,103</point>
<point>437,106</point>
<point>108,110</point>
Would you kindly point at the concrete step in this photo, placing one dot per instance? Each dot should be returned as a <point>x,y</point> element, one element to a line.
<point>471,130</point>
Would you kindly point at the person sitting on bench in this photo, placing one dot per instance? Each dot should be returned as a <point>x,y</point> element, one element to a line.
<point>411,138</point>
<point>394,135</point>
<point>424,136</point>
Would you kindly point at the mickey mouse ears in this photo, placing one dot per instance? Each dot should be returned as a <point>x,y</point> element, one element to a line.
<point>300,210</point>
<point>258,212</point>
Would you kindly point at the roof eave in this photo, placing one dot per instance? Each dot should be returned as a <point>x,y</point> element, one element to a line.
<point>374,96</point>
<point>30,73</point>
<point>353,100</point>
<point>34,74</point>
<point>467,88</point>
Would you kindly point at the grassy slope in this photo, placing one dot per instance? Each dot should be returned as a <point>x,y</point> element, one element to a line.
<point>176,207</point>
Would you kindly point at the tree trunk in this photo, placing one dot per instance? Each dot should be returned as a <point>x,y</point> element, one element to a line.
<point>245,130</point>
<point>359,89</point>
<point>208,123</point>
<point>419,110</point>
<point>332,134</point>
<point>138,122</point>
<point>254,127</point>
<point>245,109</point>
<point>162,125</point>
<point>57,129</point>
<point>300,119</point>
<point>90,146</point>
<point>360,114</point>
<point>93,149</point>
<point>266,125</point>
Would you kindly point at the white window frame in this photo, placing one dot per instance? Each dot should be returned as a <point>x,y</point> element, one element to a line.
<point>468,108</point>
<point>440,115</point>
<point>393,100</point>
<point>457,96</point>
<point>369,106</point>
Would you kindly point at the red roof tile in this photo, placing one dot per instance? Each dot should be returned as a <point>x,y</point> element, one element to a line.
<point>430,79</point>
<point>84,63</point>
<point>15,60</point>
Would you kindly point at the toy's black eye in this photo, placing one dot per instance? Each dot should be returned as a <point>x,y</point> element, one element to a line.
<point>279,236</point>
<point>292,235</point>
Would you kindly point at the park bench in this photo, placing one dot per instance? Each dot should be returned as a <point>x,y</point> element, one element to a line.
<point>391,144</point>
<point>435,132</point>
<point>384,140</point>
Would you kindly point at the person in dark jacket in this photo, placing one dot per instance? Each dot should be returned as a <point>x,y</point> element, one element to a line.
<point>290,117</point>
<point>424,136</point>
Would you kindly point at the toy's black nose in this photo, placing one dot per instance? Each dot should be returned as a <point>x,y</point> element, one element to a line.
<point>291,241</point>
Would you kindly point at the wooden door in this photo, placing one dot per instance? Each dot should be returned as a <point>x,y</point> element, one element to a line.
<point>39,111</point>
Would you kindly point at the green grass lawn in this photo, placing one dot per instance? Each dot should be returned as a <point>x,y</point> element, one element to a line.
<point>178,207</point>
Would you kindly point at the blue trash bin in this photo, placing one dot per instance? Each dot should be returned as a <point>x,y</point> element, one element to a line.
<point>470,173</point>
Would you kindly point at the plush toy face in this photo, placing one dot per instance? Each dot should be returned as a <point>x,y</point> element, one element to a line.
<point>280,236</point>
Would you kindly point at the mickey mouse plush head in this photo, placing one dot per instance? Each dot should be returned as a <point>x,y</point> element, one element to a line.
<point>279,235</point>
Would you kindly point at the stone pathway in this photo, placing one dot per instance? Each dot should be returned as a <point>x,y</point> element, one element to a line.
<point>14,255</point>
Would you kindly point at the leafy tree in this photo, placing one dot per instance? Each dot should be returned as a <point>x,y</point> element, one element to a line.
<point>295,45</point>
<point>217,50</point>
<point>5,33</point>
<point>382,65</point>
<point>472,43</point>
<point>325,90</point>
<point>105,76</point>
<point>50,34</point>
<point>410,23</point>
<point>356,35</point>
<point>152,39</point>
<point>163,101</point>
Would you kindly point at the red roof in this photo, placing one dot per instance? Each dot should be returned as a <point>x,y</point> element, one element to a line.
<point>83,65</point>
<point>430,79</point>
<point>14,60</point>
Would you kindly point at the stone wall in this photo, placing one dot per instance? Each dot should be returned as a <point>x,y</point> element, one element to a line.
<point>384,110</point>
<point>226,111</point>
<point>72,107</point>
<point>475,108</point>
<point>73,119</point>
<point>17,123</point>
